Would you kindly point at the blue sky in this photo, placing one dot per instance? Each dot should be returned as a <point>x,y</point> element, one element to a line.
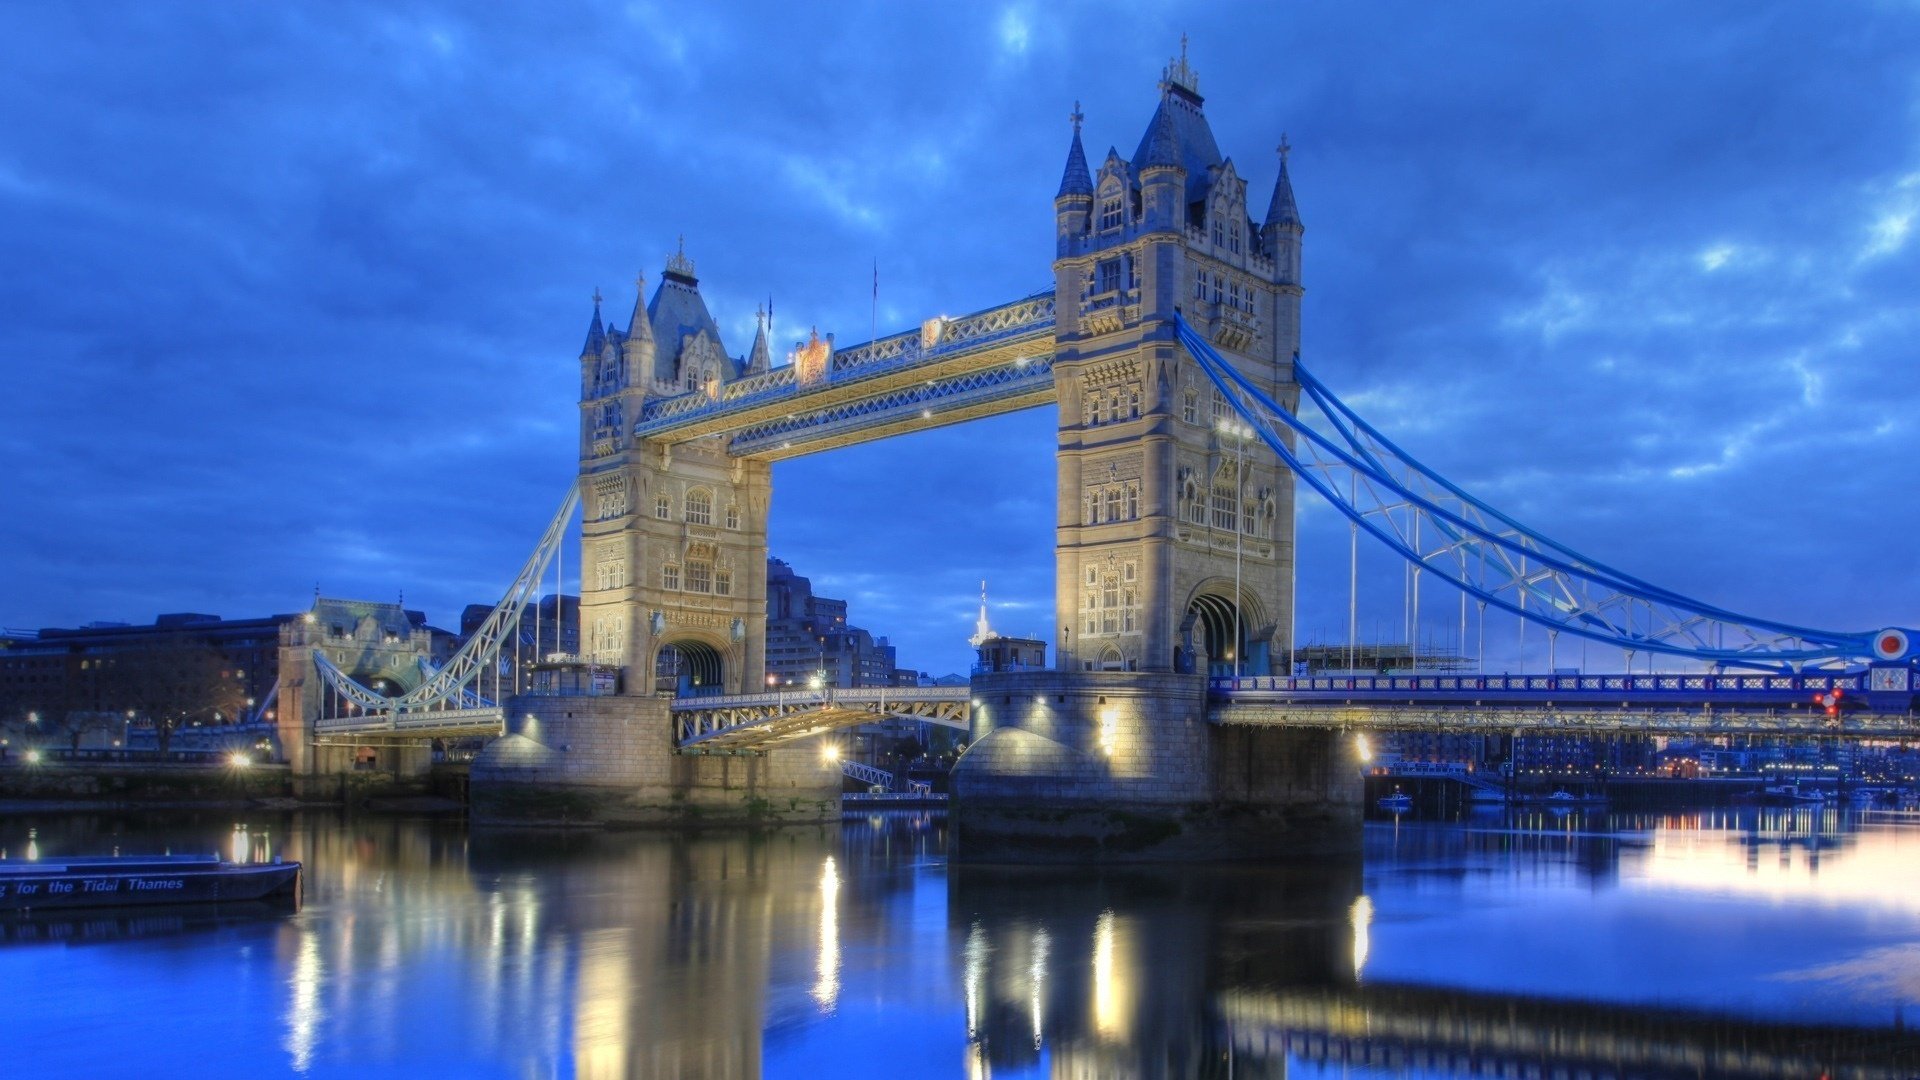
<point>292,294</point>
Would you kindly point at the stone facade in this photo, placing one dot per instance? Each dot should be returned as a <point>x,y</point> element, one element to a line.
<point>674,540</point>
<point>1175,551</point>
<point>610,761</point>
<point>1163,503</point>
<point>1125,766</point>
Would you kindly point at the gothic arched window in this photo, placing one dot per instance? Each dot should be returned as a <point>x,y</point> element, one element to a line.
<point>699,507</point>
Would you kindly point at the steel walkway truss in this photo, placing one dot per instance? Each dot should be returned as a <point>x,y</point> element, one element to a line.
<point>750,723</point>
<point>994,361</point>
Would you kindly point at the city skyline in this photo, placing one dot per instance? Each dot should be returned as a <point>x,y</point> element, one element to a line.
<point>297,304</point>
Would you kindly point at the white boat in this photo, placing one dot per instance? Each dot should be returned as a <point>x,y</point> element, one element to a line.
<point>1563,797</point>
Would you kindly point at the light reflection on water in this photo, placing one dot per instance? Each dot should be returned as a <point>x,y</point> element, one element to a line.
<point>1716,943</point>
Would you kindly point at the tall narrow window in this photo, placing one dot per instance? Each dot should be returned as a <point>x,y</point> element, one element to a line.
<point>1113,504</point>
<point>723,582</point>
<point>1226,501</point>
<point>1108,276</point>
<point>670,577</point>
<point>1190,407</point>
<point>1133,511</point>
<point>1112,212</point>
<point>662,508</point>
<point>733,516</point>
<point>699,575</point>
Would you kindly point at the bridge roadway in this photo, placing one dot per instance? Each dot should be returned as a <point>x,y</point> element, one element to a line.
<point>1666,704</point>
<point>368,728</point>
<point>746,723</point>
<point>946,371</point>
<point>1462,1033</point>
<point>1660,704</point>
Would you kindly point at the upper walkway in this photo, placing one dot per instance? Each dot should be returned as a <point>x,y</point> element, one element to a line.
<point>949,370</point>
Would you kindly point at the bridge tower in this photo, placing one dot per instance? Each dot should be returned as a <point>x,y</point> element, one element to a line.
<point>673,550</point>
<point>673,572</point>
<point>1174,550</point>
<point>1175,541</point>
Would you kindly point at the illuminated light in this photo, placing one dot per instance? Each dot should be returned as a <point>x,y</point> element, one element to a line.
<point>976,964</point>
<point>831,753</point>
<point>1109,730</point>
<point>33,757</point>
<point>304,1009</point>
<point>1362,749</point>
<point>1361,917</point>
<point>826,987</point>
<point>1112,977</point>
<point>1042,945</point>
<point>240,761</point>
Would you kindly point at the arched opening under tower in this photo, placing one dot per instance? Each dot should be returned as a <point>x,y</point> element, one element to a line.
<point>1220,642</point>
<point>380,684</point>
<point>688,669</point>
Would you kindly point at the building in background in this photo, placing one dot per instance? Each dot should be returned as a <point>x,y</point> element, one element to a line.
<point>808,635</point>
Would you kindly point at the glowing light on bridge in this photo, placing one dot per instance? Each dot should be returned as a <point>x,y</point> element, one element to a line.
<point>1109,730</point>
<point>1362,749</point>
<point>826,987</point>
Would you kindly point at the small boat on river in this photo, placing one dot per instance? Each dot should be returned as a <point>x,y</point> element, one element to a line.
<point>119,881</point>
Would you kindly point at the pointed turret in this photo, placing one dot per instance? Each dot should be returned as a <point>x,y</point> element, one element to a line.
<point>759,358</point>
<point>639,325</point>
<point>1077,179</point>
<point>1280,233</point>
<point>596,332</point>
<point>1282,211</point>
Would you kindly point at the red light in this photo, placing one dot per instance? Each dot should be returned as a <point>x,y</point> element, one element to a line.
<point>1837,693</point>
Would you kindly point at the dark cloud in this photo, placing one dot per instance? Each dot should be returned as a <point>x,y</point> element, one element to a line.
<point>291,294</point>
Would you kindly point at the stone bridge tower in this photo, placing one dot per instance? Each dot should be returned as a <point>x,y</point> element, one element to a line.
<point>673,541</point>
<point>1175,543</point>
<point>1174,548</point>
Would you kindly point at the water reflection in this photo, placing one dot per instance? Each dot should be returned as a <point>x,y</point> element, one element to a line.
<point>1073,973</point>
<point>1720,943</point>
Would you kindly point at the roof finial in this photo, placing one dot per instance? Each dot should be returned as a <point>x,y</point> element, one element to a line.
<point>678,263</point>
<point>640,281</point>
<point>1180,73</point>
<point>1076,117</point>
<point>596,298</point>
<point>1285,148</point>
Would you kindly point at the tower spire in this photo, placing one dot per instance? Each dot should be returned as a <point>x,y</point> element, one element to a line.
<point>1077,179</point>
<point>981,631</point>
<point>596,333</point>
<point>1282,210</point>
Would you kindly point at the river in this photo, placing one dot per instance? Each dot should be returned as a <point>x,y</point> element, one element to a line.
<point>1739,943</point>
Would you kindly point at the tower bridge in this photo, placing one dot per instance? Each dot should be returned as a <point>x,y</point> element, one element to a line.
<point>1169,347</point>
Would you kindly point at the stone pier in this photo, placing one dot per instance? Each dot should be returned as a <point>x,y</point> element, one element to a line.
<point>609,760</point>
<point>1124,766</point>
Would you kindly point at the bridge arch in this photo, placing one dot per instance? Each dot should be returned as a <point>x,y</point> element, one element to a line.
<point>1208,644</point>
<point>689,666</point>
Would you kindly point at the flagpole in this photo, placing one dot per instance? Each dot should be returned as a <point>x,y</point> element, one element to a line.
<point>874,335</point>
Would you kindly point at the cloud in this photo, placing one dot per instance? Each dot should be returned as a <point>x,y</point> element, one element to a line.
<point>289,298</point>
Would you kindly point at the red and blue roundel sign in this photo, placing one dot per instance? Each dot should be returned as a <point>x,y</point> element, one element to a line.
<point>1890,644</point>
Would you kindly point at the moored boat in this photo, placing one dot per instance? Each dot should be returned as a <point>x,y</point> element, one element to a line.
<point>115,881</point>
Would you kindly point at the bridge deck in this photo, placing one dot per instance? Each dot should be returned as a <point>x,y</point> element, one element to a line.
<point>425,724</point>
<point>755,722</point>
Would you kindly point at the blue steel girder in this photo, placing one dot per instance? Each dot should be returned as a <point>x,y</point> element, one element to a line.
<point>992,361</point>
